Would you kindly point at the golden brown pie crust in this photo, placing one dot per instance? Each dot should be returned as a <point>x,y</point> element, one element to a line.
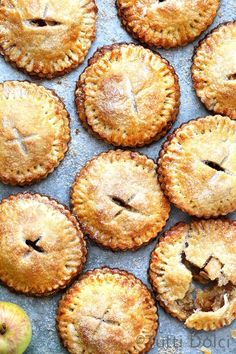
<point>107,311</point>
<point>214,70</point>
<point>34,132</point>
<point>41,246</point>
<point>44,37</point>
<point>197,167</point>
<point>128,95</point>
<point>204,251</point>
<point>118,200</point>
<point>169,23</point>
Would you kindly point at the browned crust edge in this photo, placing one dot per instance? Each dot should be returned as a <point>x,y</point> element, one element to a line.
<point>30,181</point>
<point>168,234</point>
<point>195,53</point>
<point>133,154</point>
<point>162,180</point>
<point>150,43</point>
<point>104,270</point>
<point>66,211</point>
<point>50,76</point>
<point>80,98</point>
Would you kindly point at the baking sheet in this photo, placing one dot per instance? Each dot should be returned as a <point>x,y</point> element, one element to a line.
<point>172,337</point>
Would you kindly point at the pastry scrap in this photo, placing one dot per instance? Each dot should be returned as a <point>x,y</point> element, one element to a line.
<point>46,38</point>
<point>41,246</point>
<point>118,200</point>
<point>128,95</point>
<point>169,23</point>
<point>107,311</point>
<point>34,132</point>
<point>214,70</point>
<point>188,254</point>
<point>205,350</point>
<point>197,167</point>
<point>233,333</point>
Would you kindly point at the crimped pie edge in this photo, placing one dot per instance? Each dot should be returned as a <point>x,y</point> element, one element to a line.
<point>165,181</point>
<point>66,137</point>
<point>80,96</point>
<point>66,211</point>
<point>68,296</point>
<point>83,171</point>
<point>165,43</point>
<point>50,74</point>
<point>199,83</point>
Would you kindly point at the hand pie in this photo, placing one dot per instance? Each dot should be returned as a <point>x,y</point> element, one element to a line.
<point>167,23</point>
<point>41,246</point>
<point>214,70</point>
<point>46,38</point>
<point>197,167</point>
<point>34,132</point>
<point>107,311</point>
<point>128,95</point>
<point>118,200</point>
<point>203,251</point>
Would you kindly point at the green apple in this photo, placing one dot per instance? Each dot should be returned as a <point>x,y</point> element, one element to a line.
<point>15,329</point>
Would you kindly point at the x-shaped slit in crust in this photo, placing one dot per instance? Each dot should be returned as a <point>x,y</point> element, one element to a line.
<point>152,7</point>
<point>103,320</point>
<point>45,11</point>
<point>40,22</point>
<point>224,159</point>
<point>33,245</point>
<point>124,205</point>
<point>231,76</point>
<point>214,165</point>
<point>132,96</point>
<point>217,167</point>
<point>20,139</point>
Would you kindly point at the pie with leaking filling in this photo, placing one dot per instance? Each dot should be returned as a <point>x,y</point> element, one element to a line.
<point>214,70</point>
<point>197,167</point>
<point>118,200</point>
<point>34,132</point>
<point>107,311</point>
<point>167,23</point>
<point>44,37</point>
<point>41,246</point>
<point>128,95</point>
<point>188,255</point>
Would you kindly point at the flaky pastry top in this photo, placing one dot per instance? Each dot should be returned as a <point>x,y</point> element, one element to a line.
<point>128,95</point>
<point>214,70</point>
<point>34,132</point>
<point>168,23</point>
<point>107,311</point>
<point>197,166</point>
<point>118,200</point>
<point>41,245</point>
<point>45,37</point>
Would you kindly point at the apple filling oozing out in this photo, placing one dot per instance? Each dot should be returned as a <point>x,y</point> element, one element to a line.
<point>209,290</point>
<point>193,272</point>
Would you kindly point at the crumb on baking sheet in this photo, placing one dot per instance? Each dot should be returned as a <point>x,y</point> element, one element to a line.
<point>205,350</point>
<point>233,333</point>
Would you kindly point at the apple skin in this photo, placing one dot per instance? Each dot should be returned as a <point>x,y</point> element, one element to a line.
<point>15,329</point>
